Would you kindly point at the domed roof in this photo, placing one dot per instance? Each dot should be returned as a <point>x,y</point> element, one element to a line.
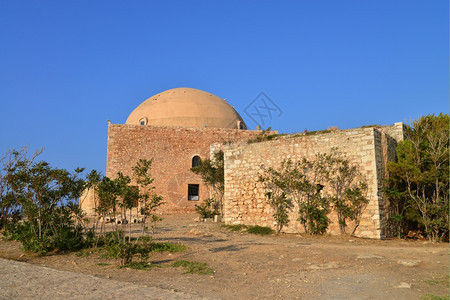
<point>186,107</point>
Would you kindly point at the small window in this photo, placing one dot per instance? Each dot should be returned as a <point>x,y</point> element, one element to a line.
<point>193,192</point>
<point>195,161</point>
<point>143,121</point>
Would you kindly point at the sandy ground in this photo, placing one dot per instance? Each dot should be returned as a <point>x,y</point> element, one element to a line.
<point>245,267</point>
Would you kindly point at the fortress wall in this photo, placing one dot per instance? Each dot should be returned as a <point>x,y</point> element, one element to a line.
<point>245,199</point>
<point>172,149</point>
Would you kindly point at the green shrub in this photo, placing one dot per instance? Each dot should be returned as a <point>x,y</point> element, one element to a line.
<point>126,251</point>
<point>68,238</point>
<point>145,238</point>
<point>162,247</point>
<point>207,208</point>
<point>261,230</point>
<point>434,297</point>
<point>25,233</point>
<point>84,252</point>
<point>193,267</point>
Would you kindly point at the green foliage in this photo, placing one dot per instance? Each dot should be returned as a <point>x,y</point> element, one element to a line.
<point>299,182</point>
<point>138,266</point>
<point>85,252</point>
<point>281,205</point>
<point>275,182</point>
<point>115,246</point>
<point>313,215</point>
<point>145,238</point>
<point>418,183</point>
<point>193,267</point>
<point>304,185</point>
<point>256,229</point>
<point>108,191</point>
<point>212,173</point>
<point>47,199</point>
<point>316,132</point>
<point>302,182</point>
<point>260,230</point>
<point>149,201</point>
<point>434,297</point>
<point>438,280</point>
<point>163,247</point>
<point>207,209</point>
<point>264,135</point>
<point>26,234</point>
<point>125,251</point>
<point>348,195</point>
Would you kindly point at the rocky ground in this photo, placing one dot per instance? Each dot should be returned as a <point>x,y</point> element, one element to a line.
<point>245,267</point>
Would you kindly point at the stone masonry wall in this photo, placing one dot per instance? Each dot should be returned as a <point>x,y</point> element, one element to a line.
<point>172,150</point>
<point>245,199</point>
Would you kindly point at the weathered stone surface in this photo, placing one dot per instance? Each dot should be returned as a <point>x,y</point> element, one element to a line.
<point>368,148</point>
<point>172,150</point>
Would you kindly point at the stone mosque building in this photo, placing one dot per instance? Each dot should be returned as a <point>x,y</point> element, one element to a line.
<point>180,126</point>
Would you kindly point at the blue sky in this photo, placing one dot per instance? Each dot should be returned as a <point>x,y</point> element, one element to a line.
<point>66,67</point>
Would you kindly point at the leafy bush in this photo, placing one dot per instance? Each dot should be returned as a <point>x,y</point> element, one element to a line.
<point>69,238</point>
<point>418,183</point>
<point>256,229</point>
<point>193,267</point>
<point>434,297</point>
<point>207,208</point>
<point>261,230</point>
<point>162,247</point>
<point>145,238</point>
<point>126,251</point>
<point>212,173</point>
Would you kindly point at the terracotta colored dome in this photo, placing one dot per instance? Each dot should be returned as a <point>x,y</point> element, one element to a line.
<point>186,107</point>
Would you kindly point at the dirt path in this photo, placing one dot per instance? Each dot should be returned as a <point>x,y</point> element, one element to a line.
<point>20,280</point>
<point>285,266</point>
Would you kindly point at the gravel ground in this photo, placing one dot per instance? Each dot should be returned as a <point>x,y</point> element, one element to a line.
<point>246,266</point>
<point>26,281</point>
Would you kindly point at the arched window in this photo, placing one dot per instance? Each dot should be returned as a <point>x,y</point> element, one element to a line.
<point>143,121</point>
<point>195,161</point>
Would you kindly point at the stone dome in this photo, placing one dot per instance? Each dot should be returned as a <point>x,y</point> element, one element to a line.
<point>186,107</point>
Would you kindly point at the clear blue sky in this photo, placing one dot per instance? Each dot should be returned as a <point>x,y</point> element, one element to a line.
<point>66,67</point>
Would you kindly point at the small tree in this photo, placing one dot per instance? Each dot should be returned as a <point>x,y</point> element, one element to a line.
<point>14,162</point>
<point>421,176</point>
<point>108,194</point>
<point>356,197</point>
<point>301,182</point>
<point>93,179</point>
<point>305,185</point>
<point>47,198</point>
<point>212,173</point>
<point>347,194</point>
<point>129,199</point>
<point>276,186</point>
<point>149,200</point>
